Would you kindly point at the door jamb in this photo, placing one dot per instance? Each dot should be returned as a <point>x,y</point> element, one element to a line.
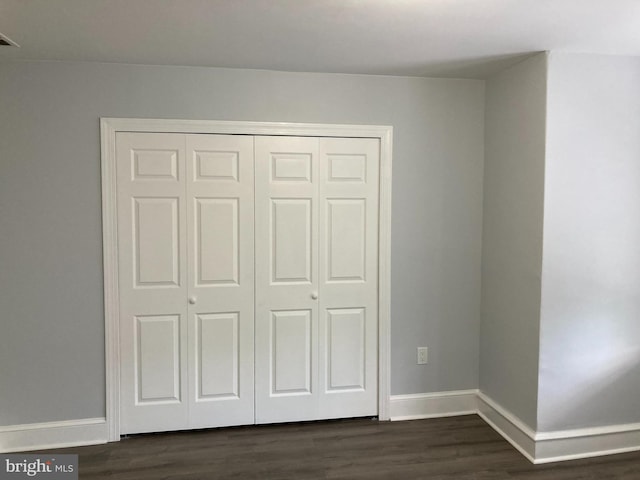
<point>109,127</point>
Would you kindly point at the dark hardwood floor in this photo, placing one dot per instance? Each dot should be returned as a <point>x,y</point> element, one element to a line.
<point>461,448</point>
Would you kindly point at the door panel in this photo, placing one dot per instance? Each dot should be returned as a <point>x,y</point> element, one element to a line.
<point>155,232</point>
<point>216,165</point>
<point>291,352</point>
<point>291,167</point>
<point>348,277</point>
<point>158,358</point>
<point>346,240</point>
<point>217,243</point>
<point>316,278</point>
<point>154,164</point>
<point>286,278</point>
<point>152,281</point>
<point>219,172</point>
<point>291,241</point>
<point>217,356</point>
<point>346,352</point>
<point>185,223</point>
<point>344,167</point>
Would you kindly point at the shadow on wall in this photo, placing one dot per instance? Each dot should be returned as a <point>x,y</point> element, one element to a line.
<point>476,67</point>
<point>595,367</point>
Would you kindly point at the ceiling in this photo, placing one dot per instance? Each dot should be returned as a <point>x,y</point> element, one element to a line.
<point>454,38</point>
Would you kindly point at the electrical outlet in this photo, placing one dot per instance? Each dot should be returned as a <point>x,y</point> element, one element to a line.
<point>422,355</point>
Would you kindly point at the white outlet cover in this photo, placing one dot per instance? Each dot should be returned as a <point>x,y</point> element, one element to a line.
<point>423,356</point>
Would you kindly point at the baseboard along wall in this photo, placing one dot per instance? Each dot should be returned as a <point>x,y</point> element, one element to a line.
<point>433,405</point>
<point>42,436</point>
<point>538,447</point>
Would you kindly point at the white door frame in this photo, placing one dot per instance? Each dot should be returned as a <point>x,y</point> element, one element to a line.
<point>108,129</point>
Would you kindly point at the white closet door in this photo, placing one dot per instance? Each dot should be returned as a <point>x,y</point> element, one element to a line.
<point>286,279</point>
<point>316,278</point>
<point>220,186</point>
<point>185,234</point>
<point>152,281</point>
<point>193,273</point>
<point>348,299</point>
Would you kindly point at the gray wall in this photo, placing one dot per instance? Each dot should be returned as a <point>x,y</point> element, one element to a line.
<point>51,346</point>
<point>590,328</point>
<point>512,236</point>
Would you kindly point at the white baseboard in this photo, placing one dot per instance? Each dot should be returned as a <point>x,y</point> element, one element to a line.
<point>537,447</point>
<point>514,430</point>
<point>41,436</point>
<point>587,442</point>
<point>557,446</point>
<point>433,405</point>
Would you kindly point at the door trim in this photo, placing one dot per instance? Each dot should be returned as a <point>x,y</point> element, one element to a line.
<point>108,129</point>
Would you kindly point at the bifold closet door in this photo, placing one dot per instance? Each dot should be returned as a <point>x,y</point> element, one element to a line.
<point>192,272</point>
<point>152,249</point>
<point>286,279</point>
<point>348,296</point>
<point>185,246</point>
<point>220,283</point>
<point>316,278</point>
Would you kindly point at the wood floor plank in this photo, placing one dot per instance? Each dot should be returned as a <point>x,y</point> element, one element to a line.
<point>460,448</point>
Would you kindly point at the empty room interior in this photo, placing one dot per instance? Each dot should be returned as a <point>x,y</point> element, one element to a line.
<point>399,239</point>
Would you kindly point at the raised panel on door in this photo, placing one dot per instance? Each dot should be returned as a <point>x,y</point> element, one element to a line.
<point>156,241</point>
<point>291,352</point>
<point>286,278</point>
<point>157,358</point>
<point>291,167</point>
<point>216,165</point>
<point>291,241</point>
<point>346,239</point>
<point>220,186</point>
<point>348,277</point>
<point>346,349</point>
<point>154,164</point>
<point>217,254</point>
<point>151,207</point>
<point>217,352</point>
